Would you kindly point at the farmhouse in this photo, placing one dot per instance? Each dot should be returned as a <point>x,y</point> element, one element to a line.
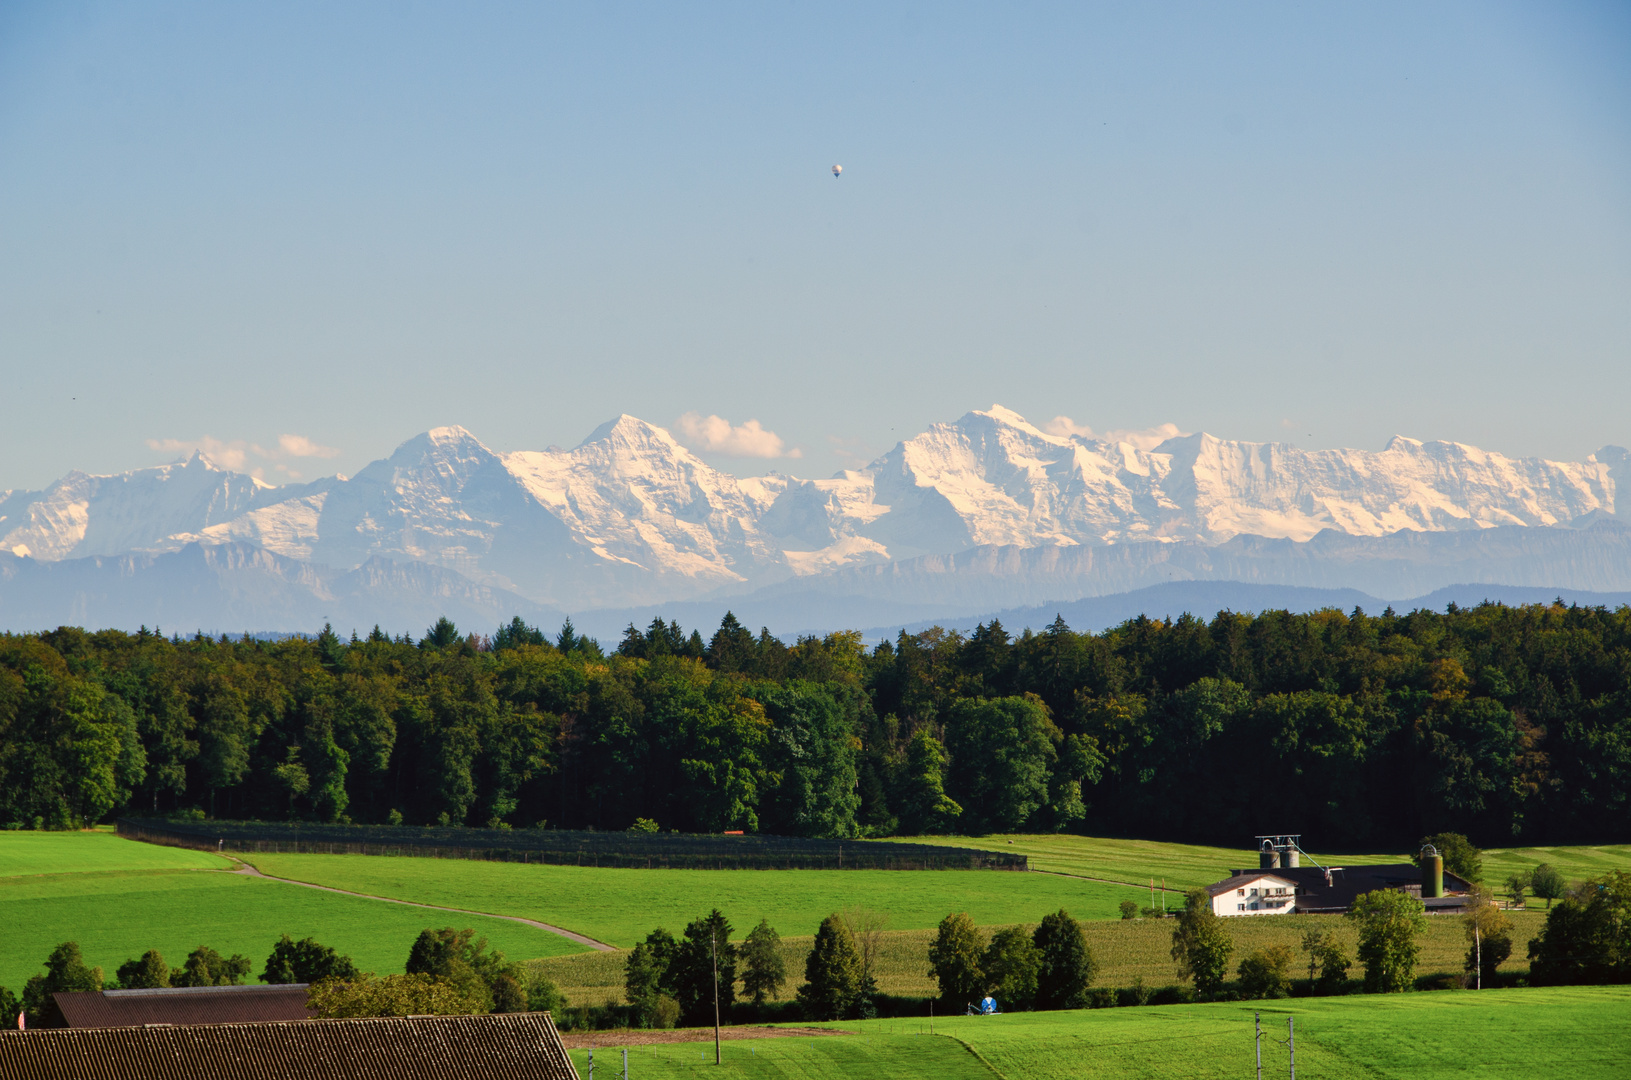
<point>1254,893</point>
<point>177,1005</point>
<point>504,1046</point>
<point>1282,886</point>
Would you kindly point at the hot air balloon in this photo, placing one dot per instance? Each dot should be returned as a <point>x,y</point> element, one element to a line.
<point>838,170</point>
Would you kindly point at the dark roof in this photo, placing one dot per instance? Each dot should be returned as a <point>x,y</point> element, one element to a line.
<point>1242,878</point>
<point>504,1046</point>
<point>1350,882</point>
<point>183,1005</point>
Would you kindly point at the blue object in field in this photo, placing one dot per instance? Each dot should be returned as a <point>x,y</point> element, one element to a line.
<point>988,1006</point>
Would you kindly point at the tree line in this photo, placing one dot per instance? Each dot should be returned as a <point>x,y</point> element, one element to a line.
<point>447,972</point>
<point>1508,724</point>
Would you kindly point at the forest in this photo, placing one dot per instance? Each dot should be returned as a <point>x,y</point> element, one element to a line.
<point>1507,724</point>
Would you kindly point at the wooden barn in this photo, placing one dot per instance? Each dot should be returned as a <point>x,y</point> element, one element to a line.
<point>503,1046</point>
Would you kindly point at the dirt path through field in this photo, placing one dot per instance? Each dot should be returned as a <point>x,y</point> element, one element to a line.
<point>576,1040</point>
<point>249,871</point>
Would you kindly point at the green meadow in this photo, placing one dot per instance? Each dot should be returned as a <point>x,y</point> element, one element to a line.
<point>116,914</point>
<point>24,854</point>
<point>1579,1032</point>
<point>620,906</point>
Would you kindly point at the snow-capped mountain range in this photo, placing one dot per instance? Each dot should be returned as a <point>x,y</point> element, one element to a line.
<point>631,517</point>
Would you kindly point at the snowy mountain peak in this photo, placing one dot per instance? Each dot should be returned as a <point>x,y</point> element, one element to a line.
<point>632,516</point>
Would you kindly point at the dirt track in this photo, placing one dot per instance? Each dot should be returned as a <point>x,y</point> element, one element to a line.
<point>250,871</point>
<point>649,1036</point>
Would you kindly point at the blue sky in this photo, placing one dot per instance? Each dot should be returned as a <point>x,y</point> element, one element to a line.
<point>340,224</point>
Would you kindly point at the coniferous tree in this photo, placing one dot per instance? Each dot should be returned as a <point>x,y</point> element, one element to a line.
<point>925,808</point>
<point>707,943</point>
<point>1065,966</point>
<point>832,973</point>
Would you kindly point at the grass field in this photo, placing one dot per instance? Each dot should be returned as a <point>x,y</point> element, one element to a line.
<point>28,853</point>
<point>1186,866</point>
<point>1581,1033</point>
<point>621,906</point>
<point>116,914</point>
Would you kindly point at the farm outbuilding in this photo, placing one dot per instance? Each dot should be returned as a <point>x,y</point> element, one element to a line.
<point>178,1005</point>
<point>504,1046</point>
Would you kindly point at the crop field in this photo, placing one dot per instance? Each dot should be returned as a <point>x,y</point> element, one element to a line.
<point>621,906</point>
<point>1186,866</point>
<point>1579,1032</point>
<point>117,914</point>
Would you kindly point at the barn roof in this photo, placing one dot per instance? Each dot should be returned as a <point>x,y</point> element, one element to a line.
<point>1242,878</point>
<point>504,1046</point>
<point>182,1005</point>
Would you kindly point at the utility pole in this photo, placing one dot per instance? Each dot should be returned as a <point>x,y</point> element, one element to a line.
<point>713,940</point>
<point>1291,1041</point>
<point>1478,954</point>
<point>591,1063</point>
<point>1257,1022</point>
<point>625,1063</point>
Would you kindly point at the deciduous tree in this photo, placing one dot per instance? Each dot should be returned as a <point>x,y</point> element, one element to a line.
<point>1389,921</point>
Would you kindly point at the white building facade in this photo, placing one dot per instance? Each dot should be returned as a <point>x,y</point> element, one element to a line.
<point>1263,893</point>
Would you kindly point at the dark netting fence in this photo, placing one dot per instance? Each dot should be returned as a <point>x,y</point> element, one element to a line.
<point>567,848</point>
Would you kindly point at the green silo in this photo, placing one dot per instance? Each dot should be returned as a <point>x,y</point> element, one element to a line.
<point>1432,873</point>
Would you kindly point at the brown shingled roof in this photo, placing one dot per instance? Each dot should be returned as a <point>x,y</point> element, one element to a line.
<point>504,1046</point>
<point>183,1005</point>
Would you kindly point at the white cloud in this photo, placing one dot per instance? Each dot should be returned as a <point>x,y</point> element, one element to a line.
<point>715,434</point>
<point>1144,438</point>
<point>240,455</point>
<point>300,446</point>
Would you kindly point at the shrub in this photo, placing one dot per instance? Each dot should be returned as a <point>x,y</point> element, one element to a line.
<point>1129,909</point>
<point>1266,973</point>
<point>394,995</point>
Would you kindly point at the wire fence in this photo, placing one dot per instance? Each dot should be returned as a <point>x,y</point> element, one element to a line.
<point>560,847</point>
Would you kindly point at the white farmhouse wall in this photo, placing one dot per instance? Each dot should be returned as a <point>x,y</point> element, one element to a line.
<point>1267,895</point>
